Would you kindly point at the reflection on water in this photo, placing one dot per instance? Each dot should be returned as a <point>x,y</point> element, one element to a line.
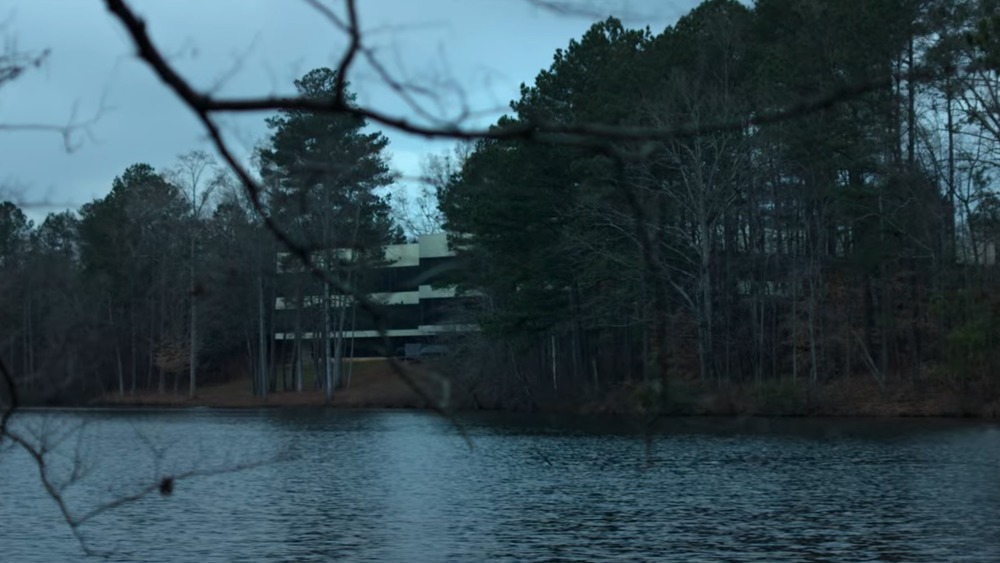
<point>404,486</point>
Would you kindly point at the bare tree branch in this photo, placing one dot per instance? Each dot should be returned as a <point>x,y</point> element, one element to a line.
<point>12,401</point>
<point>408,92</point>
<point>13,64</point>
<point>163,484</point>
<point>195,101</point>
<point>67,132</point>
<point>588,134</point>
<point>603,137</point>
<point>352,50</point>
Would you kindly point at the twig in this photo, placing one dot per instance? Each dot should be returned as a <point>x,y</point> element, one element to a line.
<point>164,484</point>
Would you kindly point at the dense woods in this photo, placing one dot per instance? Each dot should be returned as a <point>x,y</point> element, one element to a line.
<point>173,273</point>
<point>818,205</point>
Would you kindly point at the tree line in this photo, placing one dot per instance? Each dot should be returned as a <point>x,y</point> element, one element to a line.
<point>173,274</point>
<point>794,192</point>
<point>820,205</point>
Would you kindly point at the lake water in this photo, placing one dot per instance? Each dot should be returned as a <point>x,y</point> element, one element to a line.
<point>405,486</point>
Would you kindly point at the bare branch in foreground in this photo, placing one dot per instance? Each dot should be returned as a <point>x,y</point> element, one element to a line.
<point>137,30</point>
<point>12,65</point>
<point>11,402</point>
<point>603,137</point>
<point>163,484</point>
<point>407,92</point>
<point>586,134</point>
<point>69,132</point>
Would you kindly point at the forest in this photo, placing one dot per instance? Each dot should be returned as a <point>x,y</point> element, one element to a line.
<point>779,200</point>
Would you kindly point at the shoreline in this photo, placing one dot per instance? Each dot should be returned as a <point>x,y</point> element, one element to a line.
<point>704,405</point>
<point>181,406</point>
<point>374,386</point>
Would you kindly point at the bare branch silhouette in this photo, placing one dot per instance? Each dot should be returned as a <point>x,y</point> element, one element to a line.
<point>660,255</point>
<point>137,29</point>
<point>407,91</point>
<point>12,400</point>
<point>68,131</point>
<point>602,137</point>
<point>352,50</point>
<point>586,134</point>
<point>13,64</point>
<point>163,484</point>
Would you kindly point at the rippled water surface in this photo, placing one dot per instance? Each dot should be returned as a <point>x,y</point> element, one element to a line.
<point>405,486</point>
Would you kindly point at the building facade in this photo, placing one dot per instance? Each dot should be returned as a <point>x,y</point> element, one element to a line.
<point>415,304</point>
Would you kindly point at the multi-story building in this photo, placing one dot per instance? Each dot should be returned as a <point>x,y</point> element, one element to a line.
<point>415,305</point>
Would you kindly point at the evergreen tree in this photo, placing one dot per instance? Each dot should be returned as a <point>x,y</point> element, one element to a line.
<point>324,173</point>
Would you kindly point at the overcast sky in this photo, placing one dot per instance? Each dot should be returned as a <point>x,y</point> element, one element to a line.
<point>477,52</point>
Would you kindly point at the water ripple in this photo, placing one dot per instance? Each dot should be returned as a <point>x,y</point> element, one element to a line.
<point>401,486</point>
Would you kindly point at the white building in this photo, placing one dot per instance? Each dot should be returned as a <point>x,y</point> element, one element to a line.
<point>415,304</point>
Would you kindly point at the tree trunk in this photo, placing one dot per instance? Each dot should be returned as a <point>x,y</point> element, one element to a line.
<point>705,343</point>
<point>354,318</point>
<point>555,385</point>
<point>121,370</point>
<point>338,356</point>
<point>911,113</point>
<point>328,375</point>
<point>193,345</point>
<point>262,352</point>
<point>298,337</point>
<point>795,324</point>
<point>135,358</point>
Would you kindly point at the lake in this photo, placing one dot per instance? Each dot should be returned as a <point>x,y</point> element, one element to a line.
<point>405,486</point>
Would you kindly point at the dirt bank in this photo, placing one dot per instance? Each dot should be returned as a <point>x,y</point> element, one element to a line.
<point>373,384</point>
